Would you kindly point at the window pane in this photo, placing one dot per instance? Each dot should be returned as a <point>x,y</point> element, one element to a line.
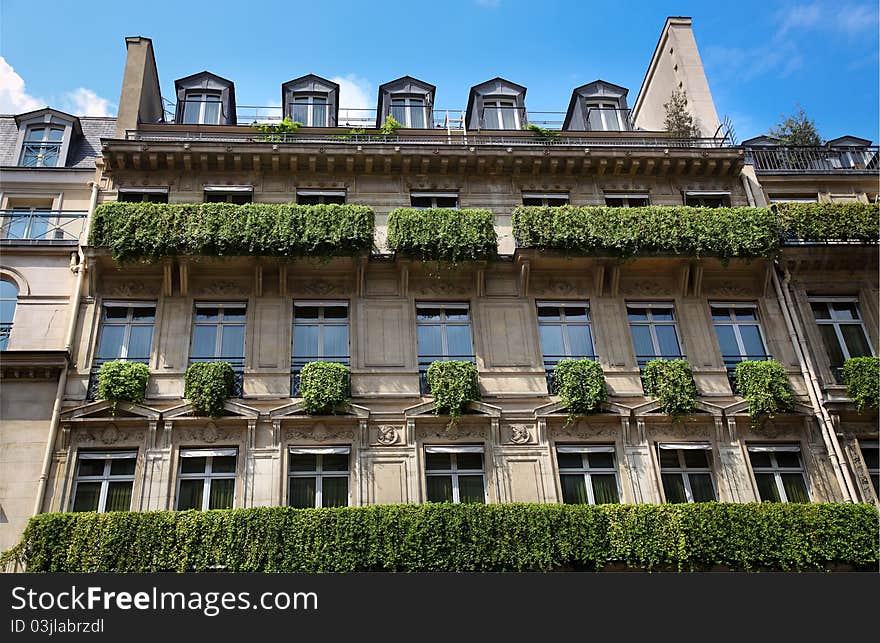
<point>668,341</point>
<point>111,342</point>
<point>306,312</point>
<point>788,459</point>
<point>759,459</point>
<point>795,488</point>
<point>844,310</point>
<point>459,340</point>
<point>871,456</point>
<point>856,342</point>
<point>471,461</point>
<point>727,341</point>
<point>190,495</point>
<point>222,494</point>
<point>580,340</point>
<point>235,314</point>
<point>429,340</point>
<point>569,460</point>
<point>193,465</point>
<point>36,134</point>
<point>232,342</point>
<point>204,341</point>
<point>457,314</point>
<point>605,489</point>
<point>701,487</point>
<point>87,495</point>
<point>636,314</point>
<point>642,340</point>
<point>122,467</point>
<point>212,113</point>
<point>549,313</point>
<point>662,314</point>
<point>767,487</point>
<point>417,115</point>
<point>820,309</point>
<point>118,496</point>
<point>7,310</point>
<point>832,345</point>
<point>319,114</point>
<point>139,342</point>
<point>335,462</point>
<point>334,492</point>
<point>696,458</point>
<point>751,339</point>
<point>556,202</point>
<point>470,489</point>
<point>669,458</point>
<point>490,117</point>
<point>336,312</point>
<point>434,461</point>
<point>300,111</point>
<point>551,339</point>
<point>303,462</point>
<point>302,492</point>
<point>191,111</point>
<point>720,314</point>
<point>420,201</point>
<point>428,314</point>
<point>335,341</point>
<point>438,488</point>
<point>446,201</point>
<point>305,341</point>
<point>574,490</point>
<point>398,111</point>
<point>223,464</point>
<point>673,487</point>
<point>143,314</point>
<point>91,468</point>
<point>746,314</point>
<point>601,460</point>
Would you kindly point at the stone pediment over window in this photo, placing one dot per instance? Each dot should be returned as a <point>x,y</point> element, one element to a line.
<point>560,408</point>
<point>232,410</point>
<point>653,408</point>
<point>478,408</point>
<point>597,106</point>
<point>742,408</point>
<point>103,409</point>
<point>45,137</point>
<point>205,99</point>
<point>311,100</point>
<point>298,410</point>
<point>497,104</point>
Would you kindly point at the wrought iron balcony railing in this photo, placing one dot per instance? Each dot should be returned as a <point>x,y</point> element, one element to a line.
<point>42,226</point>
<point>425,362</point>
<point>813,160</point>
<point>41,154</point>
<point>296,366</point>
<point>5,331</point>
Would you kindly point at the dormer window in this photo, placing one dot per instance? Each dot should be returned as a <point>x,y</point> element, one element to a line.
<point>310,110</point>
<point>599,106</point>
<point>409,111</point>
<point>500,114</point>
<point>605,117</point>
<point>202,108</point>
<point>42,146</point>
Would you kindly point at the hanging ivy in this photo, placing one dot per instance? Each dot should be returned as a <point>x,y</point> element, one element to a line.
<point>207,386</point>
<point>324,386</point>
<point>120,381</point>
<point>671,382</point>
<point>862,378</point>
<point>765,386</point>
<point>580,385</point>
<point>453,384</point>
<point>829,221</point>
<point>442,234</point>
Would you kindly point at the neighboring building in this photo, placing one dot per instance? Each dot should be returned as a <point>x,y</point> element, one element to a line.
<point>388,318</point>
<point>47,165</point>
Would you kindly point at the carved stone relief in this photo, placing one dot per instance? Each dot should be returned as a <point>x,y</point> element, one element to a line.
<point>209,434</point>
<point>319,432</point>
<point>519,433</point>
<point>108,435</point>
<point>222,288</point>
<point>387,434</point>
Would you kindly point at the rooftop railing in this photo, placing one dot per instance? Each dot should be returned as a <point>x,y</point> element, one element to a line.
<point>32,227</point>
<point>812,160</point>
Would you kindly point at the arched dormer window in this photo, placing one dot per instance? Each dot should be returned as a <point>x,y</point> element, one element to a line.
<point>8,302</point>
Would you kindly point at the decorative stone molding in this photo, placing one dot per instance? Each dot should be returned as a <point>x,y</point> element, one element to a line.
<point>519,433</point>
<point>321,287</point>
<point>443,287</point>
<point>457,431</point>
<point>387,434</point>
<point>319,432</point>
<point>107,435</point>
<point>131,288</point>
<point>549,286</point>
<point>647,287</point>
<point>728,288</point>
<point>208,434</point>
<point>222,288</point>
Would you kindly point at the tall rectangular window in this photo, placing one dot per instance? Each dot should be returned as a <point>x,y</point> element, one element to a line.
<point>454,474</point>
<point>424,200</point>
<point>843,331</point>
<point>588,474</point>
<point>500,114</point>
<point>871,455</point>
<point>320,197</point>
<point>779,472</point>
<point>206,479</point>
<point>654,331</point>
<point>42,146</point>
<point>103,481</point>
<point>126,331</point>
<point>320,333</point>
<point>218,336</point>
<point>443,331</point>
<point>686,472</point>
<point>545,199</point>
<point>739,334</point>
<point>28,223</point>
<point>311,111</point>
<point>409,111</point>
<point>202,109</point>
<point>318,476</point>
<point>566,333</point>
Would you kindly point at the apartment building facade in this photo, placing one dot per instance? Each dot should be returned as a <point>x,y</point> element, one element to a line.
<point>388,316</point>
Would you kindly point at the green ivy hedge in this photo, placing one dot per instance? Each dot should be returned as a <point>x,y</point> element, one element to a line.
<point>442,234</point>
<point>207,386</point>
<point>324,386</point>
<point>625,232</point>
<point>830,221</point>
<point>120,381</point>
<point>457,538</point>
<point>150,231</point>
<point>765,386</point>
<point>580,385</point>
<point>862,378</point>
<point>453,384</point>
<point>672,383</point>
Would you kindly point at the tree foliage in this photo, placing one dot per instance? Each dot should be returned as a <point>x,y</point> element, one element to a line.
<point>797,129</point>
<point>679,120</point>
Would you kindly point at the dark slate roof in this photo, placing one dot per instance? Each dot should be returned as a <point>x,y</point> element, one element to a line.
<point>83,151</point>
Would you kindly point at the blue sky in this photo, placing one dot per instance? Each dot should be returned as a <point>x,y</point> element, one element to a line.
<point>761,57</point>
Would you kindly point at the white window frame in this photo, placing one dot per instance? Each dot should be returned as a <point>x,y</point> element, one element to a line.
<point>498,104</point>
<point>321,323</point>
<point>444,323</point>
<point>105,478</point>
<point>869,444</point>
<point>832,321</point>
<point>228,191</point>
<point>545,197</point>
<point>586,470</point>
<point>626,199</point>
<point>43,144</point>
<point>605,116</point>
<point>735,323</point>
<point>434,196</point>
<point>410,103</point>
<point>318,473</point>
<point>683,470</point>
<point>782,198</point>
<point>220,324</point>
<point>128,323</point>
<point>203,98</point>
<point>207,475</point>
<point>310,101</point>
<point>651,324</point>
<point>563,321</point>
<point>775,470</point>
<point>143,192</point>
<point>455,472</point>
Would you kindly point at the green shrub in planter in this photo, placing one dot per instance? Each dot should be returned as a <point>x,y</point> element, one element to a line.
<point>580,385</point>
<point>830,221</point>
<point>442,234</point>
<point>120,381</point>
<point>453,384</point>
<point>765,386</point>
<point>324,386</point>
<point>207,386</point>
<point>671,381</point>
<point>862,378</point>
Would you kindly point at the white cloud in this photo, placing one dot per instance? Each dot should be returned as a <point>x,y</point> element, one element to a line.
<point>13,97</point>
<point>355,95</point>
<point>800,17</point>
<point>85,102</point>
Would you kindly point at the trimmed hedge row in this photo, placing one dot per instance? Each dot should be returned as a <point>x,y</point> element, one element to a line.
<point>150,231</point>
<point>829,221</point>
<point>457,538</point>
<point>442,234</point>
